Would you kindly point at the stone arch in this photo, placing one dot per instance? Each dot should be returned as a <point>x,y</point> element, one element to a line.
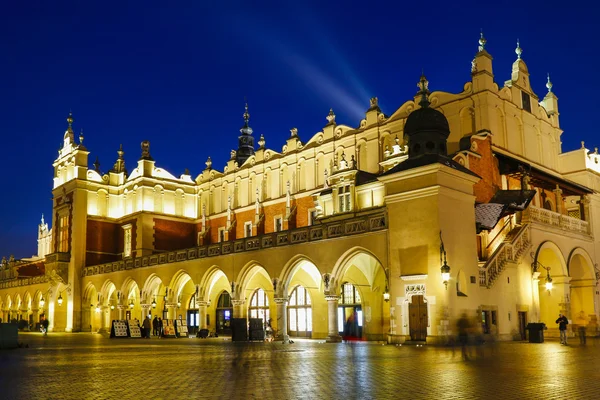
<point>297,262</point>
<point>209,282</point>
<point>102,202</point>
<point>583,287</point>
<point>90,318</point>
<point>462,288</point>
<point>366,273</point>
<point>362,155</point>
<point>501,123</point>
<point>158,198</point>
<point>549,255</point>
<point>253,276</point>
<point>551,302</point>
<point>151,288</point>
<point>178,282</point>
<point>320,168</point>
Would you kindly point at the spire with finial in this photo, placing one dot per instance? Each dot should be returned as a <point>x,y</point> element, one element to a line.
<point>97,165</point>
<point>120,163</point>
<point>246,115</point>
<point>245,141</point>
<point>549,84</point>
<point>69,135</point>
<point>423,86</point>
<point>81,137</point>
<point>482,42</point>
<point>208,163</point>
<point>42,219</point>
<point>518,50</point>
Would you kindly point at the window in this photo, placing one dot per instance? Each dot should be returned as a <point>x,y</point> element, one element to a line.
<point>224,313</point>
<point>248,229</point>
<point>63,233</point>
<point>300,313</point>
<point>126,240</point>
<point>350,315</point>
<point>526,102</point>
<point>221,235</point>
<point>312,217</point>
<point>278,223</point>
<point>344,199</point>
<point>259,305</point>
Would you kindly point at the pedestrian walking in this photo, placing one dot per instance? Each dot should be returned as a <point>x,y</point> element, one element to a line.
<point>146,324</point>
<point>463,326</point>
<point>562,322</point>
<point>160,327</point>
<point>582,323</point>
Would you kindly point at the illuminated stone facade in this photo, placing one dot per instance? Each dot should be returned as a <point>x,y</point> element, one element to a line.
<point>325,227</point>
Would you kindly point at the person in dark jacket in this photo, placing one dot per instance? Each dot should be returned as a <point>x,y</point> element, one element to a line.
<point>155,326</point>
<point>562,322</point>
<point>146,324</point>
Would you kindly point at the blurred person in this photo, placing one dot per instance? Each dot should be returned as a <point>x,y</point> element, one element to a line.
<point>463,325</point>
<point>562,322</point>
<point>581,322</point>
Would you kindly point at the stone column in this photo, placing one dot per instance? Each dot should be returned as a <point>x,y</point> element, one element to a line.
<point>332,308</point>
<point>121,311</point>
<point>586,212</point>
<point>145,311</point>
<point>535,294</point>
<point>171,310</point>
<point>559,200</point>
<point>238,308</point>
<point>202,305</point>
<point>282,320</point>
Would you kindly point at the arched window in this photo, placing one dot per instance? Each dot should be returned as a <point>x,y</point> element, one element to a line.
<point>300,313</point>
<point>259,305</point>
<point>224,314</point>
<point>192,316</point>
<point>350,318</point>
<point>548,205</point>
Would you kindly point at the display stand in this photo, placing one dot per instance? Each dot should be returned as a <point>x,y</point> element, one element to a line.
<point>182,328</point>
<point>169,329</point>
<point>134,328</point>
<point>118,329</point>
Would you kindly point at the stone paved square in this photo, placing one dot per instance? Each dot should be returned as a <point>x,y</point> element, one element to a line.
<point>92,366</point>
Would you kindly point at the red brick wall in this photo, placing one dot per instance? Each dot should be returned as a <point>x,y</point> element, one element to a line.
<point>270,213</point>
<point>302,206</point>
<point>242,218</point>
<point>103,241</point>
<point>215,224</point>
<point>487,168</point>
<point>173,235</point>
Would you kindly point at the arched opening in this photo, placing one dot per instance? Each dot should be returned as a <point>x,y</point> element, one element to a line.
<point>362,282</point>
<point>550,263</point>
<point>350,313</point>
<point>90,310</point>
<point>300,313</point>
<point>224,313</point>
<point>259,305</point>
<point>583,290</point>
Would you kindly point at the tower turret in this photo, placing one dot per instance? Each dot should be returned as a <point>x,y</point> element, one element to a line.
<point>245,141</point>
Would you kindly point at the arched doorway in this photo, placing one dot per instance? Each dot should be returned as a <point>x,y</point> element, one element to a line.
<point>583,289</point>
<point>224,314</point>
<point>350,316</point>
<point>300,313</point>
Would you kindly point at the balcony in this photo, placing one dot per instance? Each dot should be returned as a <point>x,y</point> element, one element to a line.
<point>555,220</point>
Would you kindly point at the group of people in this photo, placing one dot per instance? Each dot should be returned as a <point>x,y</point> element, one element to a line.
<point>156,325</point>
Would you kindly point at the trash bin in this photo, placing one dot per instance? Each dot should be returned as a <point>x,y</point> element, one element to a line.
<point>536,332</point>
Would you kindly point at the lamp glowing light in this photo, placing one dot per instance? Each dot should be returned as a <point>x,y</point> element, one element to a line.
<point>59,300</point>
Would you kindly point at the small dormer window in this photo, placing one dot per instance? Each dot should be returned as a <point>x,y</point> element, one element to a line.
<point>526,101</point>
<point>344,199</point>
<point>248,229</point>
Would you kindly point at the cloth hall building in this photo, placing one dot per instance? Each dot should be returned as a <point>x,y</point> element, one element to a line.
<point>456,202</point>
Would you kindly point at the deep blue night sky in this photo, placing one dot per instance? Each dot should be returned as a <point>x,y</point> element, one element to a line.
<point>177,76</point>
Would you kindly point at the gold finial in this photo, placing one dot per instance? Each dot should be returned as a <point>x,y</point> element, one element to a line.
<point>330,117</point>
<point>246,114</point>
<point>482,42</point>
<point>549,84</point>
<point>518,50</point>
<point>70,119</point>
<point>423,85</point>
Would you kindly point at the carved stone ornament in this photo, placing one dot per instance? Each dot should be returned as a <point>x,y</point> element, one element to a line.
<point>412,290</point>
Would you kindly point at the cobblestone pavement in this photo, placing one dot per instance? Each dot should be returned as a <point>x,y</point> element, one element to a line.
<point>92,366</point>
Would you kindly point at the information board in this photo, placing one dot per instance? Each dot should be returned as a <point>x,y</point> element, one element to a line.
<point>118,329</point>
<point>182,328</point>
<point>134,328</point>
<point>168,328</point>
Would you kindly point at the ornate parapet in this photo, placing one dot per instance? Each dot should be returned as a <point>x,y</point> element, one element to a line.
<point>370,222</point>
